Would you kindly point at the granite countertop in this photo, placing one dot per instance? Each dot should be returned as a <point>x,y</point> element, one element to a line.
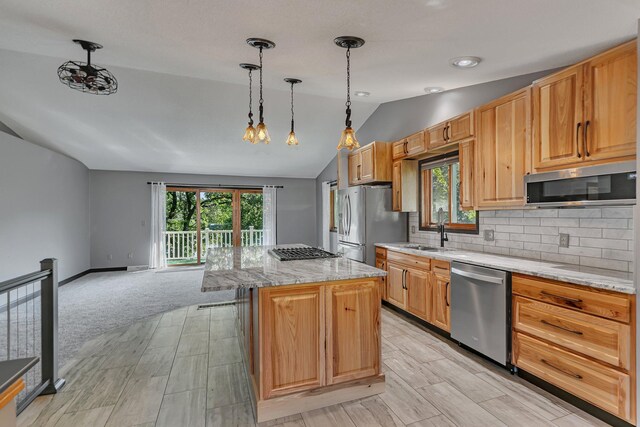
<point>253,267</point>
<point>600,278</point>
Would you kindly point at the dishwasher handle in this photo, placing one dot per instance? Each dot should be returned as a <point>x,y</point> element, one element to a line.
<point>481,277</point>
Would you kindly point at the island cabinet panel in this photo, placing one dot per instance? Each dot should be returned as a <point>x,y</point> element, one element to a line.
<point>292,325</point>
<point>353,331</point>
<point>596,383</point>
<point>502,144</point>
<point>381,263</point>
<point>396,292</point>
<point>418,287</point>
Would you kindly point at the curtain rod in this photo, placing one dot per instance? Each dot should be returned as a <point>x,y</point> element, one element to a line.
<point>230,187</point>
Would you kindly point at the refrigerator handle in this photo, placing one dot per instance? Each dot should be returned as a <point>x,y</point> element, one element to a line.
<point>349,219</point>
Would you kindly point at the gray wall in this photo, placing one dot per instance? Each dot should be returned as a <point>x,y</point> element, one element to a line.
<point>45,209</point>
<point>121,205</point>
<point>330,173</point>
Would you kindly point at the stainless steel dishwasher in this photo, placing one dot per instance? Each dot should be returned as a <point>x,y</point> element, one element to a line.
<point>481,310</point>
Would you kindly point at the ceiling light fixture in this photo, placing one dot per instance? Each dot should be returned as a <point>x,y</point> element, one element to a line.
<point>262,133</point>
<point>348,138</point>
<point>86,77</point>
<point>250,132</point>
<point>361,93</point>
<point>292,139</point>
<point>433,89</point>
<point>465,61</point>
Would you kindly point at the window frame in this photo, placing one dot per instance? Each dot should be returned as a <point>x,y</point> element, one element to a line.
<point>424,208</point>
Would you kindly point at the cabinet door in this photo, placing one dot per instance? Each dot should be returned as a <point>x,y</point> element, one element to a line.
<point>418,285</point>
<point>367,164</point>
<point>466,156</point>
<point>441,297</point>
<point>460,128</point>
<point>396,293</point>
<point>557,119</point>
<point>292,331</point>
<point>353,326</point>
<point>399,149</point>
<point>415,144</point>
<point>502,142</point>
<point>396,186</point>
<point>354,168</point>
<point>381,264</point>
<point>611,104</point>
<point>437,135</point>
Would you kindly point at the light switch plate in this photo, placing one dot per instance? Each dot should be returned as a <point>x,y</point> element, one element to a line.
<point>488,235</point>
<point>564,240</point>
<point>413,229</point>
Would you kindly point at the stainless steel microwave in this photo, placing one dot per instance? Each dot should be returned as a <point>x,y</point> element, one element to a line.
<point>610,184</point>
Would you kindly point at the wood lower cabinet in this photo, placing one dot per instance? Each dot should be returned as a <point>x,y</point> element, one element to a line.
<point>381,263</point>
<point>419,293</point>
<point>576,338</point>
<point>353,325</point>
<point>502,144</point>
<point>396,291</point>
<point>441,291</point>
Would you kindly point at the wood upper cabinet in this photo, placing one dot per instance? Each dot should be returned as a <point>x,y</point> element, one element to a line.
<point>587,112</point>
<point>418,287</point>
<point>293,357</point>
<point>441,295</point>
<point>404,185</point>
<point>415,144</point>
<point>453,130</point>
<point>467,159</point>
<point>502,143</point>
<point>396,292</point>
<point>399,149</point>
<point>353,325</point>
<point>371,163</point>
<point>611,103</point>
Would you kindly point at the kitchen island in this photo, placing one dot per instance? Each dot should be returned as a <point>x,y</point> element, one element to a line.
<point>309,330</point>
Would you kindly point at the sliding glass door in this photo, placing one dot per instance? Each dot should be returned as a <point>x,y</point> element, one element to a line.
<point>202,218</point>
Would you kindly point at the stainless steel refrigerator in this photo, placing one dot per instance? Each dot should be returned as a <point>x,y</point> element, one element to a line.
<point>365,218</point>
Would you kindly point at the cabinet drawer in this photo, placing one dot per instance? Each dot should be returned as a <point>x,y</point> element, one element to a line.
<point>441,268</point>
<point>409,260</point>
<point>603,386</point>
<point>602,339</point>
<point>609,305</point>
<point>381,252</point>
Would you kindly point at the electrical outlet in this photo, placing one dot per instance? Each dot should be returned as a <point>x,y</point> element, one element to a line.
<point>130,255</point>
<point>413,229</point>
<point>110,257</point>
<point>564,240</point>
<point>488,235</point>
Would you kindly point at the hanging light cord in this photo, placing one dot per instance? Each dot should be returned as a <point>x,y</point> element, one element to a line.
<point>250,99</point>
<point>261,101</point>
<point>348,103</point>
<point>291,107</point>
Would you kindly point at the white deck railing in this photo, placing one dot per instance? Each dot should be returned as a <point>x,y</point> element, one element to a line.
<point>184,244</point>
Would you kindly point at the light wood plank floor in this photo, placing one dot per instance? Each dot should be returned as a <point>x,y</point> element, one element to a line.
<point>183,368</point>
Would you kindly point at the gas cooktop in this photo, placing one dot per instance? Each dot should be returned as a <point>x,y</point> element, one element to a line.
<point>296,254</point>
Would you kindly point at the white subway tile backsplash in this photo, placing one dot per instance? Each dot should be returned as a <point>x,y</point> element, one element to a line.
<point>599,237</point>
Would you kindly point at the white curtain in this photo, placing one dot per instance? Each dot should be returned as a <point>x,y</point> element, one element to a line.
<point>269,197</point>
<point>157,257</point>
<point>326,235</point>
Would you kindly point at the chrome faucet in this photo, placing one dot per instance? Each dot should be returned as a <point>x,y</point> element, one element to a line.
<point>443,235</point>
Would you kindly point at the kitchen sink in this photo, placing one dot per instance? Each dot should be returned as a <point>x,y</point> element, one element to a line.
<point>423,248</point>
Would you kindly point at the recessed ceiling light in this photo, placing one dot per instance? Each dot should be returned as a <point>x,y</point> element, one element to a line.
<point>465,61</point>
<point>361,93</point>
<point>434,89</point>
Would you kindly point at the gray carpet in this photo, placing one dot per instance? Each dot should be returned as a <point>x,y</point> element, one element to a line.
<point>99,302</point>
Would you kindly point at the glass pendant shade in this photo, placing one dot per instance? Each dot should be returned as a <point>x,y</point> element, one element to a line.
<point>348,139</point>
<point>249,134</point>
<point>262,134</point>
<point>291,139</point>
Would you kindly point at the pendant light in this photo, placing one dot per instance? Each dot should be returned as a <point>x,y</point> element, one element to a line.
<point>86,77</point>
<point>250,132</point>
<point>292,139</point>
<point>348,138</point>
<point>262,133</point>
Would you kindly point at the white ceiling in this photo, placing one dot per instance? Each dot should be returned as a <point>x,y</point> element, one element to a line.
<point>181,103</point>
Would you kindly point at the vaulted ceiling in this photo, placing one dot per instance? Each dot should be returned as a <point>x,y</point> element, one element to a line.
<point>181,105</point>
